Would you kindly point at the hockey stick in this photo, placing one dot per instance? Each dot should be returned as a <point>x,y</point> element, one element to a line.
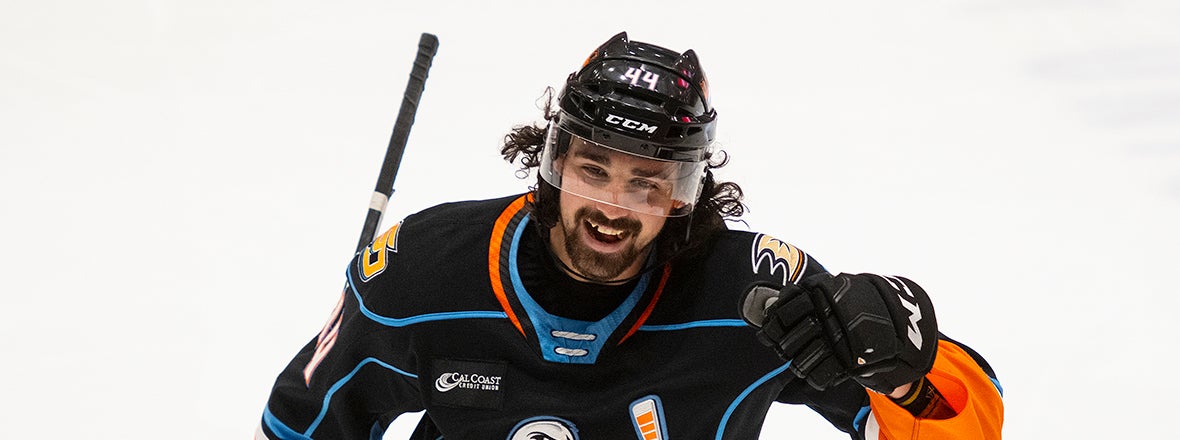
<point>427,47</point>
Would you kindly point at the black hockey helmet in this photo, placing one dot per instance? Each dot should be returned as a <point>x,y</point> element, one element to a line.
<point>643,100</point>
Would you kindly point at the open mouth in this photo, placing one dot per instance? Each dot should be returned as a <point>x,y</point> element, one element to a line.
<point>605,234</point>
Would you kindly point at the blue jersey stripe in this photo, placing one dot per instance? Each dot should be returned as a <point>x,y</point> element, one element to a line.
<point>999,388</point>
<point>279,429</point>
<point>343,381</point>
<point>402,322</point>
<point>860,417</point>
<point>694,324</point>
<point>737,401</point>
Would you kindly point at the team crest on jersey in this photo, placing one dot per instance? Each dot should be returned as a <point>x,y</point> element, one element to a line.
<point>544,428</point>
<point>779,257</point>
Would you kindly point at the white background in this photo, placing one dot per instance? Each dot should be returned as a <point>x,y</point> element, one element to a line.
<point>182,183</point>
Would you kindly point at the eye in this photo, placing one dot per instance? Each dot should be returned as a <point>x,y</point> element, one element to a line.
<point>594,172</point>
<point>645,185</point>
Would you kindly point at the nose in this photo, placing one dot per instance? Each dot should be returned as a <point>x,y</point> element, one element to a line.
<point>611,211</point>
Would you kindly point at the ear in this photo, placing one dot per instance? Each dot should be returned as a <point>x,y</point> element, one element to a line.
<point>559,165</point>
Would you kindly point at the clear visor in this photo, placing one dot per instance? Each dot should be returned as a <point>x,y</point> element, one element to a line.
<point>606,175</point>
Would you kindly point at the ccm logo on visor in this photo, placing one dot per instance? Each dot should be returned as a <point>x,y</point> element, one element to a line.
<point>630,124</point>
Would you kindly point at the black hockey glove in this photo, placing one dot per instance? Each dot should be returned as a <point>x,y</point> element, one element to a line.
<point>878,331</point>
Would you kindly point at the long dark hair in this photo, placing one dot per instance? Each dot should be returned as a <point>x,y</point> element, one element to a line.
<point>681,236</point>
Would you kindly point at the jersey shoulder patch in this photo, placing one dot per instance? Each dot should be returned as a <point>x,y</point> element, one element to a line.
<point>777,259</point>
<point>373,259</point>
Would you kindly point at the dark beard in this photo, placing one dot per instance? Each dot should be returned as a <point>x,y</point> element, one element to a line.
<point>591,264</point>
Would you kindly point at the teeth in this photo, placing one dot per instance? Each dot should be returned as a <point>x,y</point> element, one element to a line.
<point>604,229</point>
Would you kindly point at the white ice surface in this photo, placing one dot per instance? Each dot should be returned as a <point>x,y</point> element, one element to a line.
<point>181,183</point>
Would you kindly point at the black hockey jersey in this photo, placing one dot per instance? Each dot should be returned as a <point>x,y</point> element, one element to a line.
<point>435,316</point>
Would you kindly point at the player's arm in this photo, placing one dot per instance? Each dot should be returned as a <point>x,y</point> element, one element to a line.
<point>881,333</point>
<point>348,380</point>
<point>959,398</point>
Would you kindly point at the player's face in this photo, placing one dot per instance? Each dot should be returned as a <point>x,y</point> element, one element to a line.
<point>603,241</point>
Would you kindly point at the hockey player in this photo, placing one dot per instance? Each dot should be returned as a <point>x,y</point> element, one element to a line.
<point>611,302</point>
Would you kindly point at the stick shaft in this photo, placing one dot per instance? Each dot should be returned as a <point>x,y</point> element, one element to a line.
<point>427,48</point>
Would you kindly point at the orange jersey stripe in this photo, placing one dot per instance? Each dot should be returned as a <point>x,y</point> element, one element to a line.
<point>494,257</point>
<point>652,305</point>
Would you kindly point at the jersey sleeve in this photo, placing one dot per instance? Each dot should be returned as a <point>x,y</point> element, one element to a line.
<point>962,376</point>
<point>348,381</point>
<point>969,386</point>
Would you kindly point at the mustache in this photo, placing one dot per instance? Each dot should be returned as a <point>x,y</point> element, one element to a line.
<point>624,223</point>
